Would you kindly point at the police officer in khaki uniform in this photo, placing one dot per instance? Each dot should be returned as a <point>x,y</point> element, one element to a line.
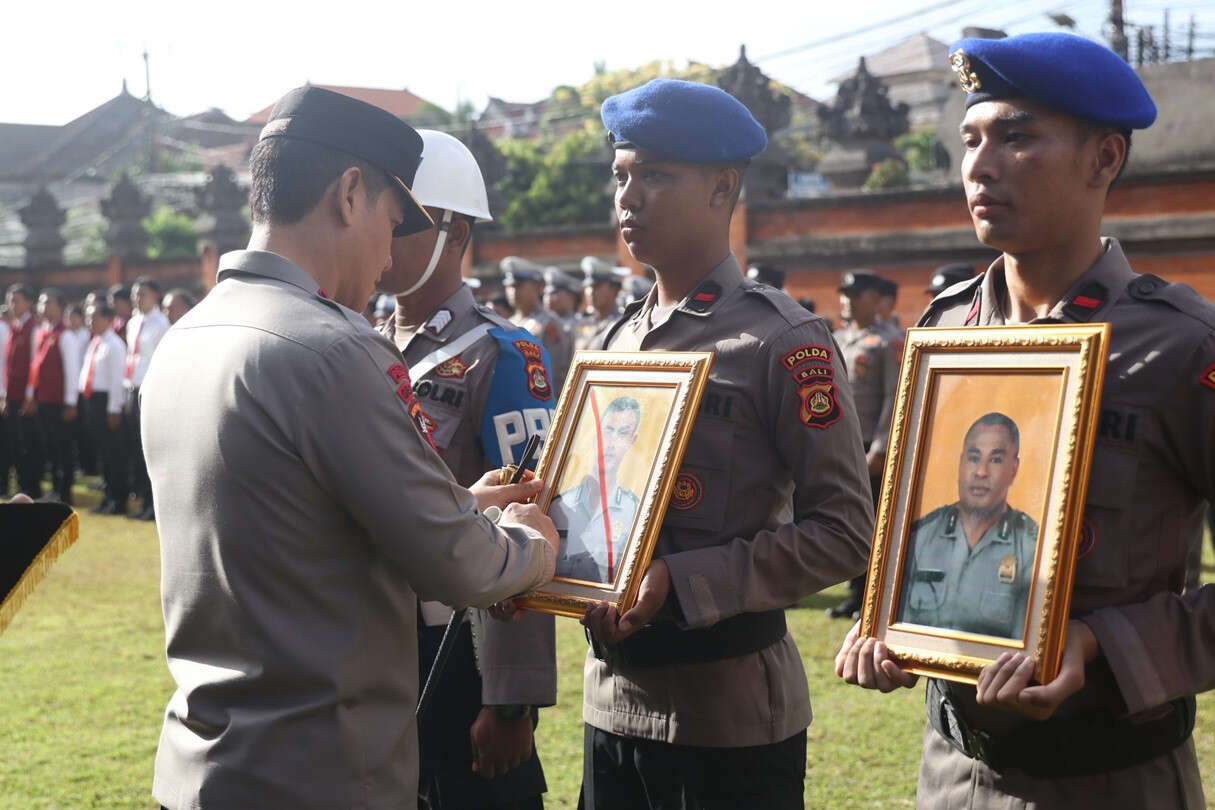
<point>873,371</point>
<point>601,287</point>
<point>1046,132</point>
<point>524,284</point>
<point>563,296</point>
<point>970,563</point>
<point>473,378</point>
<point>304,510</point>
<point>697,696</point>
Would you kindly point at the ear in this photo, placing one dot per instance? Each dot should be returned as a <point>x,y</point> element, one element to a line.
<point>1111,152</point>
<point>458,234</point>
<point>347,193</point>
<point>725,185</point>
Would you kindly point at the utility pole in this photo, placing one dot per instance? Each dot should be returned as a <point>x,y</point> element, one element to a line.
<point>147,76</point>
<point>1115,30</point>
<point>1189,44</point>
<point>1166,35</point>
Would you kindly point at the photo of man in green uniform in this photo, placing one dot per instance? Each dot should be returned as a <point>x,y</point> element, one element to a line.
<point>970,562</point>
<point>596,516</point>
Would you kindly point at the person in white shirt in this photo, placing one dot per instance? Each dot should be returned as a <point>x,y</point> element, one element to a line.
<point>76,340</point>
<point>103,393</point>
<point>144,331</point>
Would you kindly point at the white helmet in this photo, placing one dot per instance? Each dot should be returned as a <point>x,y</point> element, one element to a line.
<point>449,178</point>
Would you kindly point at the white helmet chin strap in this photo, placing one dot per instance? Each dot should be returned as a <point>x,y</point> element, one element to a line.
<point>444,228</point>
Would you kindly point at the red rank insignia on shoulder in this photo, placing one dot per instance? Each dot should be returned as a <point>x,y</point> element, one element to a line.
<point>1208,377</point>
<point>537,375</point>
<point>820,407</point>
<point>455,368</point>
<point>809,353</point>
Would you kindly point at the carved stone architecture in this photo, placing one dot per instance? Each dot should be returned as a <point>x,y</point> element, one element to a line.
<point>42,219</point>
<point>221,201</point>
<point>768,176</point>
<point>861,123</point>
<point>125,209</point>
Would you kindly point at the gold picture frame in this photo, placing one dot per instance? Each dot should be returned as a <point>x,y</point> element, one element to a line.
<point>992,436</point>
<point>609,463</point>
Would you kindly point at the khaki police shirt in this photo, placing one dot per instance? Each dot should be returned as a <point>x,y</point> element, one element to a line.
<point>546,327</point>
<point>592,327</point>
<point>1153,470</point>
<point>984,589</point>
<point>772,504</point>
<point>873,371</point>
<point>578,514</point>
<point>517,659</point>
<point>300,514</point>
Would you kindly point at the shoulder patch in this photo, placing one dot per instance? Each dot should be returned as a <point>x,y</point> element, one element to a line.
<point>400,377</point>
<point>809,353</point>
<point>453,368</point>
<point>1208,377</point>
<point>820,405</point>
<point>537,375</point>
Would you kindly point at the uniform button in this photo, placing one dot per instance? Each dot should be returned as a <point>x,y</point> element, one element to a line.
<point>1146,286</point>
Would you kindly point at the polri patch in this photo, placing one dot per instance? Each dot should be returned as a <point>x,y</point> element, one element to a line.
<point>810,353</point>
<point>1208,377</point>
<point>538,382</point>
<point>820,406</point>
<point>1088,539</point>
<point>453,368</point>
<point>687,492</point>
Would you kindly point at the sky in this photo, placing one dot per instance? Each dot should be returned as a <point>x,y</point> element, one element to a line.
<point>61,59</point>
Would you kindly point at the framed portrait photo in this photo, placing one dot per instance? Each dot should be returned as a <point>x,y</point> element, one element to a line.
<point>981,515</point>
<point>609,464</point>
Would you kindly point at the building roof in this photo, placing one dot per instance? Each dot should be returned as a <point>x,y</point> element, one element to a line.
<point>915,54</point>
<point>400,103</point>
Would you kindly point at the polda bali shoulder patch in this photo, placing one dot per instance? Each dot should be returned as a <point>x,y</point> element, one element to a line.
<point>804,376</point>
<point>1208,377</point>
<point>687,492</point>
<point>820,405</point>
<point>400,376</point>
<point>538,382</point>
<point>810,353</point>
<point>453,368</point>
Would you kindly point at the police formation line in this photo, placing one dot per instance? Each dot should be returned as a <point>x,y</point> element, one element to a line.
<point>331,498</point>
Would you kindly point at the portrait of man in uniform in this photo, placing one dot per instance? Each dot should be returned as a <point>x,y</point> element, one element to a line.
<point>595,509</point>
<point>969,564</point>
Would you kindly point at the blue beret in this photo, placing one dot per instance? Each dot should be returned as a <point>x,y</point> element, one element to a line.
<point>688,121</point>
<point>1070,73</point>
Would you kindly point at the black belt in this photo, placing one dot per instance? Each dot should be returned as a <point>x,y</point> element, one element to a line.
<point>661,644</point>
<point>1076,745</point>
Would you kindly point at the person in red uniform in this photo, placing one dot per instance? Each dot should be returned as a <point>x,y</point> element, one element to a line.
<point>22,428</point>
<point>53,375</point>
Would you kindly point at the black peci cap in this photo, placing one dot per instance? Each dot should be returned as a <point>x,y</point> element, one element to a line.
<point>948,275</point>
<point>365,131</point>
<point>857,281</point>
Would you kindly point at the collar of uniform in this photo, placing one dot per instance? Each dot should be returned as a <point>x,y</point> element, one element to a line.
<point>722,280</point>
<point>1087,299</point>
<point>457,304</point>
<point>268,265</point>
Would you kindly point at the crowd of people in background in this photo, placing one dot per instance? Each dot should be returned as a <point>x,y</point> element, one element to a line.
<point>70,372</point>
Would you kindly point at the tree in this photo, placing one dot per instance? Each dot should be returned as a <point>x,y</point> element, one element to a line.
<point>170,235</point>
<point>568,182</point>
<point>888,174</point>
<point>922,151</point>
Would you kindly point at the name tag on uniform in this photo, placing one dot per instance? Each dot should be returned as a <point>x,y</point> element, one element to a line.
<point>1008,569</point>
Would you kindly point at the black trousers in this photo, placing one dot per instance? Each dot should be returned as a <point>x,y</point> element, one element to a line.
<point>113,446</point>
<point>625,773</point>
<point>25,444</point>
<point>6,457</point>
<point>86,453</point>
<point>140,485</point>
<point>57,435</point>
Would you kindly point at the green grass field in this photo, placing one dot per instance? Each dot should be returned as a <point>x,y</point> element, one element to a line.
<point>83,684</point>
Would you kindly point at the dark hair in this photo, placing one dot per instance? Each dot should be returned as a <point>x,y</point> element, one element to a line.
<point>183,294</point>
<point>22,290</point>
<point>1092,129</point>
<point>150,283</point>
<point>53,292</point>
<point>100,307</point>
<point>74,309</point>
<point>806,304</point>
<point>997,419</point>
<point>290,177</point>
<point>119,291</point>
<point>623,404</point>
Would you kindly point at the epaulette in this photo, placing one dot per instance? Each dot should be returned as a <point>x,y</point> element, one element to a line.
<point>963,290</point>
<point>488,314</point>
<point>630,309</point>
<point>793,313</point>
<point>940,511</point>
<point>1181,297</point>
